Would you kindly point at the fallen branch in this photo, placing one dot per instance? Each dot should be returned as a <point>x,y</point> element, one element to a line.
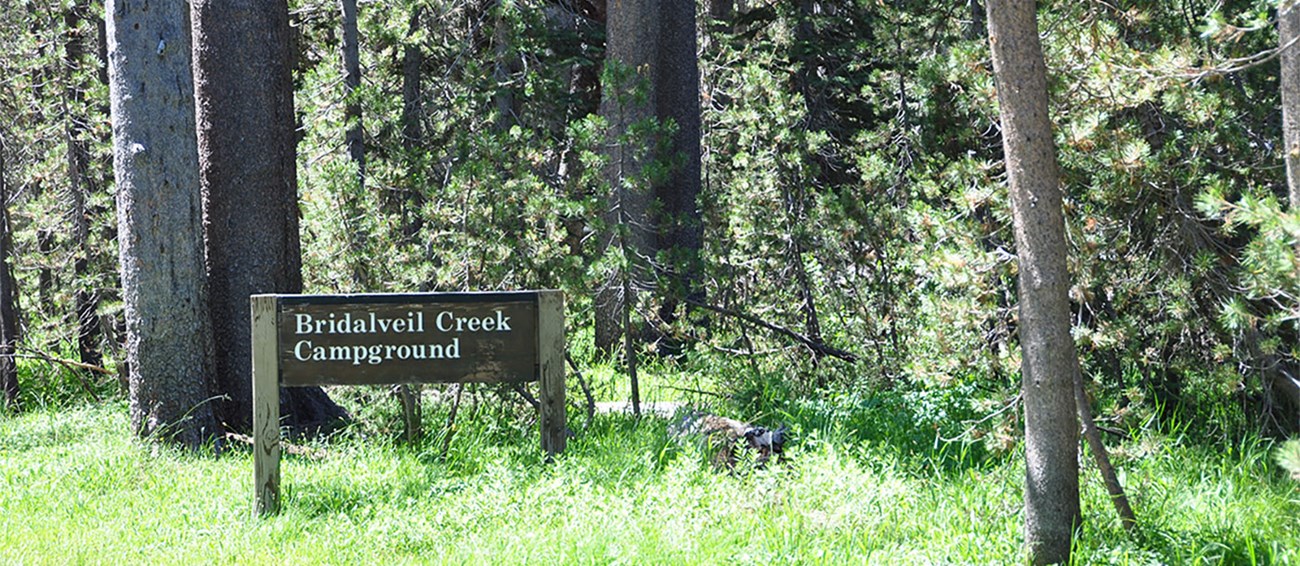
<point>35,355</point>
<point>71,366</point>
<point>698,391</point>
<point>816,346</point>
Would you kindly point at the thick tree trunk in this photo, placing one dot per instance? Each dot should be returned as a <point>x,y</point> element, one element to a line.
<point>651,46</point>
<point>681,230</point>
<point>85,297</point>
<point>1049,362</point>
<point>8,306</point>
<point>632,40</point>
<point>246,149</point>
<point>159,210</point>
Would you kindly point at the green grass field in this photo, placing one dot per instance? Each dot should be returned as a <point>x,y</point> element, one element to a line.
<point>77,488</point>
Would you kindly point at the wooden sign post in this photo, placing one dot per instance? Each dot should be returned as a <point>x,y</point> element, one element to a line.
<point>303,340</point>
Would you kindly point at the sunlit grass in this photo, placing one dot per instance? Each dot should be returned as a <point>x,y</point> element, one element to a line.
<point>78,489</point>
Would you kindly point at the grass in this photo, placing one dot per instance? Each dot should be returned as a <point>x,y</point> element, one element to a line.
<point>78,489</point>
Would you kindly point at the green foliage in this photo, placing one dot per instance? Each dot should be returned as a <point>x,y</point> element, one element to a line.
<point>1288,457</point>
<point>55,104</point>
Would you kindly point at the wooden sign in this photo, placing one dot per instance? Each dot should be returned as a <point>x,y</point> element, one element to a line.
<point>369,339</point>
<point>374,339</point>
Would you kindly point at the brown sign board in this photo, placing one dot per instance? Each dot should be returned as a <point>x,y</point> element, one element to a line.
<point>392,338</point>
<point>376,339</point>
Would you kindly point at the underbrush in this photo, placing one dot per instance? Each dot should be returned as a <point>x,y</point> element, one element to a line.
<point>79,489</point>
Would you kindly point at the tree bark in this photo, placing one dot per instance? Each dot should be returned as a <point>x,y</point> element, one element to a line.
<point>8,303</point>
<point>1049,362</point>
<point>408,206</point>
<point>505,66</point>
<point>169,334</point>
<point>247,164</point>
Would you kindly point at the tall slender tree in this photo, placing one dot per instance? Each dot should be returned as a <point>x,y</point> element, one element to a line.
<point>86,299</point>
<point>159,211</point>
<point>1050,364</point>
<point>247,163</point>
<point>1288,33</point>
<point>8,295</point>
<point>352,82</point>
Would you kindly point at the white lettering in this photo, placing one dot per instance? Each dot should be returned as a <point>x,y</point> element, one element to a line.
<point>297,348</point>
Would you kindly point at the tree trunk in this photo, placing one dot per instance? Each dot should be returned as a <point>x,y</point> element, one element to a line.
<point>169,334</point>
<point>681,229</point>
<point>352,83</point>
<point>247,164</point>
<point>357,235</point>
<point>1288,31</point>
<point>408,206</point>
<point>505,66</point>
<point>1049,361</point>
<point>8,306</point>
<point>651,51</point>
<point>85,298</point>
<point>628,97</point>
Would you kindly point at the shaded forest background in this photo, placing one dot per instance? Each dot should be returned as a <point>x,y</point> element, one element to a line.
<point>852,194</point>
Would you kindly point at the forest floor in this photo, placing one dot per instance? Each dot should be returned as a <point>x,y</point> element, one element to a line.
<point>75,487</point>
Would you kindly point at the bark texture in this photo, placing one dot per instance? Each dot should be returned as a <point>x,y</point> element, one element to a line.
<point>246,148</point>
<point>8,303</point>
<point>1049,362</point>
<point>169,335</point>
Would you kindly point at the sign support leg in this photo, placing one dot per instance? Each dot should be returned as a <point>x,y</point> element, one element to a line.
<point>266,405</point>
<point>550,354</point>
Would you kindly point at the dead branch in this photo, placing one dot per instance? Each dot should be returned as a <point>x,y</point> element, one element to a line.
<point>36,355</point>
<point>1098,449</point>
<point>816,345</point>
<point>586,389</point>
<point>70,365</point>
<point>523,392</point>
